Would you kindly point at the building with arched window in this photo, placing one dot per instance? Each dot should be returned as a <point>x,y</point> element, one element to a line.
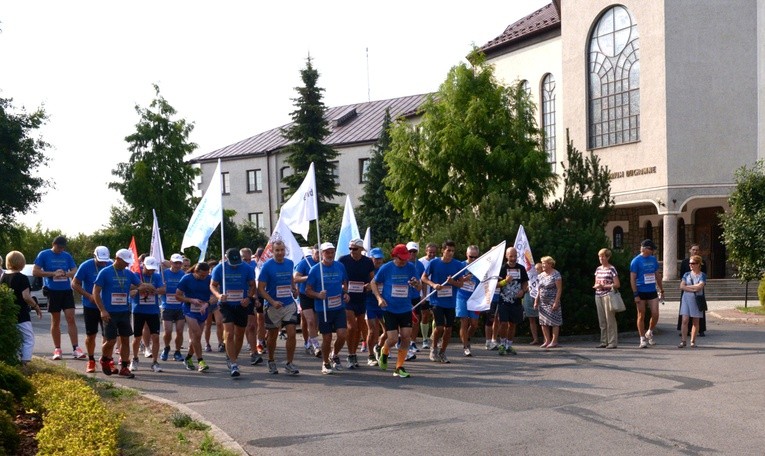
<point>670,94</point>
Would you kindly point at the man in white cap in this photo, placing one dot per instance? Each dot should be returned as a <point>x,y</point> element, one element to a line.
<point>361,271</point>
<point>172,309</point>
<point>83,282</point>
<point>145,306</point>
<point>327,284</point>
<point>111,293</point>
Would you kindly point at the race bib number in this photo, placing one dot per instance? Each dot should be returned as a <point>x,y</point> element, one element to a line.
<point>468,286</point>
<point>649,278</point>
<point>515,274</point>
<point>171,299</point>
<point>400,291</point>
<point>283,291</point>
<point>355,287</point>
<point>445,292</point>
<point>148,300</point>
<point>61,279</point>
<point>234,295</point>
<point>194,307</point>
<point>119,299</point>
<point>334,302</point>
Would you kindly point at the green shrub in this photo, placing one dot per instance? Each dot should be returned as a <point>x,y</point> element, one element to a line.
<point>75,420</point>
<point>7,402</point>
<point>10,339</point>
<point>761,292</point>
<point>11,379</point>
<point>9,435</point>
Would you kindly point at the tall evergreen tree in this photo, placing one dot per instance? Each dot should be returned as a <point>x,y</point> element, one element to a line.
<point>376,210</point>
<point>307,132</point>
<point>157,175</point>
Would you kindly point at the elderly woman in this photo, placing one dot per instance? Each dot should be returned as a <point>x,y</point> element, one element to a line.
<point>548,302</point>
<point>692,284</point>
<point>19,283</point>
<point>606,280</point>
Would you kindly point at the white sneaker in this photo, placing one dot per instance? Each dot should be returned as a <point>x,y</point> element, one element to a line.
<point>649,336</point>
<point>155,367</point>
<point>425,344</point>
<point>78,354</point>
<point>643,343</point>
<point>133,365</point>
<point>147,353</point>
<point>467,351</point>
<point>326,369</point>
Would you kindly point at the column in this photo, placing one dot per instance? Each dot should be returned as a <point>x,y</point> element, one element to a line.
<point>670,246</point>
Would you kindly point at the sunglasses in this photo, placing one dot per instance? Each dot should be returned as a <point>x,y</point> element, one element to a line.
<point>472,257</point>
<point>692,262</point>
<point>353,249</point>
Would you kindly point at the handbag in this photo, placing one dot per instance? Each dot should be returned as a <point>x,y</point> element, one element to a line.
<point>617,303</point>
<point>701,302</point>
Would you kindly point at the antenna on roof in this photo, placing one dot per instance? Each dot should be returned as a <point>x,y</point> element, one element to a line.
<point>369,96</point>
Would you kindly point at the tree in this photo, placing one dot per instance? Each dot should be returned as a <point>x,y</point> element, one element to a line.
<point>376,210</point>
<point>744,225</point>
<point>476,138</point>
<point>21,154</point>
<point>157,175</point>
<point>306,135</point>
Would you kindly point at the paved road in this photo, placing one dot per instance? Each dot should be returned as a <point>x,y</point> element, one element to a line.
<point>574,400</point>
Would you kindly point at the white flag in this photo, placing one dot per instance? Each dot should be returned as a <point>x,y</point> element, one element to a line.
<point>527,260</point>
<point>349,230</point>
<point>368,241</point>
<point>486,269</point>
<point>156,241</point>
<point>282,233</point>
<point>206,217</point>
<point>301,208</point>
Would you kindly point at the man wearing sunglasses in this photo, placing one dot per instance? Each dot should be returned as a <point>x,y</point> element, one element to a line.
<point>361,271</point>
<point>647,286</point>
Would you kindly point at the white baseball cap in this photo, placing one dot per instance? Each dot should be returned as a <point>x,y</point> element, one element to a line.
<point>356,243</point>
<point>327,246</point>
<point>411,245</point>
<point>125,255</point>
<point>151,263</point>
<point>101,254</point>
<point>176,258</point>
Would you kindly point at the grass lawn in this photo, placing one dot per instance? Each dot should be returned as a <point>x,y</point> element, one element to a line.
<point>755,309</point>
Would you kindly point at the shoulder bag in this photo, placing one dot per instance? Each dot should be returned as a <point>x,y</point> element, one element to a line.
<point>617,303</point>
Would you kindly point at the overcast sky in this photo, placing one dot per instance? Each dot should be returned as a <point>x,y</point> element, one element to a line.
<point>229,67</point>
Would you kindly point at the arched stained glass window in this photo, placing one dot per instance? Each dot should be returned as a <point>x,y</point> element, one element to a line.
<point>548,116</point>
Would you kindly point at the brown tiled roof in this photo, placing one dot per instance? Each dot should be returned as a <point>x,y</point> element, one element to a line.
<point>541,20</point>
<point>350,124</point>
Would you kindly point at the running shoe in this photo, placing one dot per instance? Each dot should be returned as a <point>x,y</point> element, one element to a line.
<point>291,369</point>
<point>649,336</point>
<point>125,372</point>
<point>133,365</point>
<point>272,368</point>
<point>349,361</point>
<point>383,361</point>
<point>259,348</point>
<point>510,350</point>
<point>308,349</point>
<point>255,359</point>
<point>413,346</point>
<point>165,354</point>
<point>147,353</point>
<point>442,358</point>
<point>113,367</point>
<point>221,348</point>
<point>91,366</point>
<point>486,344</point>
<point>189,363</point>
<point>78,354</point>
<point>493,346</point>
<point>57,354</point>
<point>466,351</point>
<point>425,344</point>
<point>106,366</point>
<point>336,364</point>
<point>434,355</point>
<point>208,348</point>
<point>401,372</point>
<point>326,369</point>
<point>377,350</point>
<point>502,351</point>
<point>235,370</point>
<point>363,347</point>
<point>155,367</point>
<point>203,367</point>
<point>643,343</point>
<point>178,356</point>
<point>410,355</point>
<point>372,361</point>
<point>317,351</point>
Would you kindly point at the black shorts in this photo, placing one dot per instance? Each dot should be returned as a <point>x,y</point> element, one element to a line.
<point>140,319</point>
<point>119,325</point>
<point>92,320</point>
<point>444,316</point>
<point>256,307</point>
<point>357,308</point>
<point>394,321</point>
<point>510,312</point>
<point>173,315</point>
<point>424,306</point>
<point>235,314</point>
<point>648,295</point>
<point>59,300</point>
<point>306,303</point>
<point>335,320</point>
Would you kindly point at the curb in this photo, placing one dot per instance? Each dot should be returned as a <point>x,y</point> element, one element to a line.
<point>755,319</point>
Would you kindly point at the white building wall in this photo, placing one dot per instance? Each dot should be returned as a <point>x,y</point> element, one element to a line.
<point>761,80</point>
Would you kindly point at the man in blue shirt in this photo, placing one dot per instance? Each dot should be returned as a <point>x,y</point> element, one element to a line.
<point>308,316</point>
<point>145,306</point>
<point>172,309</point>
<point>645,279</point>
<point>83,282</point>
<point>360,270</point>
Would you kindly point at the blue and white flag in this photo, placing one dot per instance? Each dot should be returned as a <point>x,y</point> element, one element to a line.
<point>486,269</point>
<point>348,230</point>
<point>368,241</point>
<point>527,260</point>
<point>302,206</point>
<point>207,216</point>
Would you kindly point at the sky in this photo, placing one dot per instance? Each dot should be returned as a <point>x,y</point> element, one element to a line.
<point>229,67</point>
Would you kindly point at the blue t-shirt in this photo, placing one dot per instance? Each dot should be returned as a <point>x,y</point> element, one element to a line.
<point>645,269</point>
<point>50,261</point>
<point>359,274</point>
<point>438,271</point>
<point>464,293</point>
<point>334,278</point>
<point>169,301</point>
<point>278,279</point>
<point>303,268</point>
<point>115,288</point>
<point>196,289</point>
<point>395,286</point>
<point>238,280</point>
<point>147,304</point>
<point>86,274</point>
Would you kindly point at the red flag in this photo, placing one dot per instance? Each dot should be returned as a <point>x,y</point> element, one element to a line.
<point>135,267</point>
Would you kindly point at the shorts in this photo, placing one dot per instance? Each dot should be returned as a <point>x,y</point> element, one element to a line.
<point>375,313</point>
<point>358,308</point>
<point>424,306</point>
<point>59,300</point>
<point>257,307</point>
<point>394,321</point>
<point>140,319</point>
<point>528,307</point>
<point>119,325</point>
<point>462,311</point>
<point>306,303</point>
<point>335,320</point>
<point>198,316</point>
<point>444,316</point>
<point>510,312</point>
<point>235,314</point>
<point>92,320</point>
<point>172,315</point>
<point>648,295</point>
<point>285,315</point>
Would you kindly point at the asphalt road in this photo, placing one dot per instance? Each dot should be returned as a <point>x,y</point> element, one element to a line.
<point>573,400</point>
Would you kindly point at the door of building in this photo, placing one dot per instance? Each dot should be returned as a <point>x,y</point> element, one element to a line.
<point>708,234</point>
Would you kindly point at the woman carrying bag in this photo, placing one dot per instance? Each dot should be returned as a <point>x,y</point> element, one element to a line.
<point>606,286</point>
<point>692,285</point>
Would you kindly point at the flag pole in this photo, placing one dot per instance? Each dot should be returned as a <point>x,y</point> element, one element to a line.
<point>455,274</point>
<point>222,243</point>
<point>321,257</point>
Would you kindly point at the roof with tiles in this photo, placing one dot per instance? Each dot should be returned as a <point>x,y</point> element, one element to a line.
<point>541,20</point>
<point>349,124</point>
